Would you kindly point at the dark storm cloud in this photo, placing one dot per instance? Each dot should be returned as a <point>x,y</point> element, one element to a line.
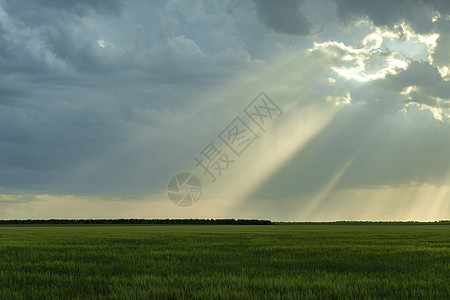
<point>418,73</point>
<point>388,12</point>
<point>441,55</point>
<point>11,96</point>
<point>95,102</point>
<point>428,87</point>
<point>27,8</point>
<point>283,16</point>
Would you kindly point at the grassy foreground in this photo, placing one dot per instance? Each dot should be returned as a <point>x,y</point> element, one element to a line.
<point>225,262</point>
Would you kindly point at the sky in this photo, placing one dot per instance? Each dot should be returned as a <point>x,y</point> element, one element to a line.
<point>289,110</point>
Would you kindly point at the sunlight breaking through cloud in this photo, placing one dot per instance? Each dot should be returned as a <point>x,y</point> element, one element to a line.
<point>101,104</point>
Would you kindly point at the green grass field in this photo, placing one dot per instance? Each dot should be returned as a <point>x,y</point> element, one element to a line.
<point>225,262</point>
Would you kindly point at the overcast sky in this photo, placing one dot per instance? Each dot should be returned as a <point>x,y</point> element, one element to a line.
<point>102,102</point>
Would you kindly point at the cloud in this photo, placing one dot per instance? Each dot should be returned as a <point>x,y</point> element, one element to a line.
<point>283,16</point>
<point>421,85</point>
<point>418,73</point>
<point>362,64</point>
<point>27,8</point>
<point>403,67</point>
<point>385,12</point>
<point>441,56</point>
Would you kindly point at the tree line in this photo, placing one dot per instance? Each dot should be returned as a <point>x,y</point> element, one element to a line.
<point>204,222</point>
<point>140,221</point>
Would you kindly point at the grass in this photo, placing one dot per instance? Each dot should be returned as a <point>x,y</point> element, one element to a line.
<point>225,262</point>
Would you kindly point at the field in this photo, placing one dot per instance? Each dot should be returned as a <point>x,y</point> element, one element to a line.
<point>225,262</point>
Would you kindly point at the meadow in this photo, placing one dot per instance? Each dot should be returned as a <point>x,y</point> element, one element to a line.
<point>225,262</point>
